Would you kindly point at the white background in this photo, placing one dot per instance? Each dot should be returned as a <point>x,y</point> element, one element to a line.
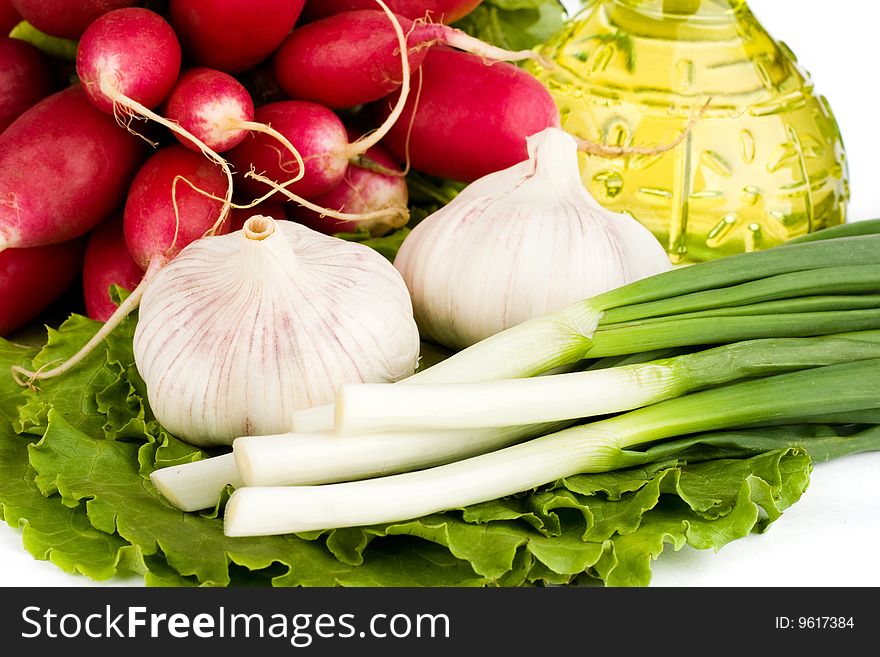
<point>831,537</point>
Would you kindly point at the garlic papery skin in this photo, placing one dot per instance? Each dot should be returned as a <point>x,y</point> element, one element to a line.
<point>518,244</point>
<point>239,332</point>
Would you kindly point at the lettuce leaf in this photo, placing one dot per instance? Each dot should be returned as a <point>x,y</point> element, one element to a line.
<point>515,24</point>
<point>75,477</point>
<point>50,530</point>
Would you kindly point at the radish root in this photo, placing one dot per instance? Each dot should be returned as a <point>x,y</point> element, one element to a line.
<point>26,378</point>
<point>450,36</point>
<point>394,216</point>
<point>603,150</point>
<point>367,141</point>
<point>109,89</point>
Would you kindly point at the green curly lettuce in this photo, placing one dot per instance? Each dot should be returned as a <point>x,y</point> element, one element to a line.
<point>515,24</point>
<point>76,454</point>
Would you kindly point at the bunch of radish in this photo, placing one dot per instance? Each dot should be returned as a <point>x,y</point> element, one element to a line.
<point>158,142</point>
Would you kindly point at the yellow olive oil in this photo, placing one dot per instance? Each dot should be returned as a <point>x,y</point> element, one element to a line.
<point>763,163</point>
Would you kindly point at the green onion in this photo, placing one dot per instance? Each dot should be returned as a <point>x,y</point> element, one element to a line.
<point>299,459</point>
<point>822,442</point>
<point>596,447</point>
<point>554,340</point>
<point>852,229</point>
<point>624,339</point>
<point>308,456</point>
<point>365,408</point>
<point>809,304</point>
<point>197,485</point>
<point>851,279</point>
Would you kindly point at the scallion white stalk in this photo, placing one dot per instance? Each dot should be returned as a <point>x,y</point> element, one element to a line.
<point>197,485</point>
<point>363,409</point>
<point>315,419</point>
<point>301,459</point>
<point>595,447</point>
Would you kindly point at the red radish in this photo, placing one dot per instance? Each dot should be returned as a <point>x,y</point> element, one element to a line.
<point>362,191</point>
<point>153,232</point>
<point>217,109</point>
<point>267,208</point>
<point>472,118</point>
<point>66,18</point>
<point>321,137</point>
<point>64,166</point>
<point>107,262</point>
<point>439,11</point>
<point>31,279</point>
<point>129,60</point>
<point>163,213</point>
<point>318,135</point>
<point>211,105</point>
<point>9,17</point>
<point>126,55</point>
<point>358,52</point>
<point>25,79</point>
<point>233,35</point>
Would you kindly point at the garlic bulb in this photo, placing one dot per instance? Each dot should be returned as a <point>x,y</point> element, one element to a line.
<point>239,331</point>
<point>520,243</point>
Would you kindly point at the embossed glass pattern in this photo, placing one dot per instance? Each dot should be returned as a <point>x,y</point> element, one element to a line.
<point>764,162</point>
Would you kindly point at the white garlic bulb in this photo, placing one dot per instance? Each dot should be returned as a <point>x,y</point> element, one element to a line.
<point>239,331</point>
<point>520,243</point>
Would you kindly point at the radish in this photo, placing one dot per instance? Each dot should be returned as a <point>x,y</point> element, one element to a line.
<point>321,137</point>
<point>233,35</point>
<point>362,190</point>
<point>128,57</point>
<point>64,166</point>
<point>163,213</point>
<point>9,17</point>
<point>213,106</point>
<point>66,18</point>
<point>357,50</point>
<point>472,118</point>
<point>107,262</point>
<point>217,109</point>
<point>441,11</point>
<point>25,78</point>
<point>129,61</point>
<point>31,279</point>
<point>169,205</point>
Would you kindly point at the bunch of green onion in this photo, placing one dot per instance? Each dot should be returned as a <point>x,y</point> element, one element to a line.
<point>779,340</point>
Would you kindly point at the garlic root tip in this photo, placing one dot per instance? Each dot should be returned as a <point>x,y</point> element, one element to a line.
<point>258,227</point>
